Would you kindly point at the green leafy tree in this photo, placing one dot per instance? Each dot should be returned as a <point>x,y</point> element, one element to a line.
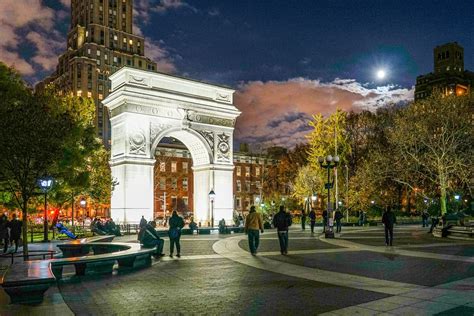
<point>433,142</point>
<point>34,133</point>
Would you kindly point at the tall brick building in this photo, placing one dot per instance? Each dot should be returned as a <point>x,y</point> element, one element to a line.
<point>100,41</point>
<point>174,180</point>
<point>449,75</point>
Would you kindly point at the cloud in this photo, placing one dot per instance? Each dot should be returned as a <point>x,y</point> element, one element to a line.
<point>214,12</point>
<point>17,18</point>
<point>155,51</point>
<point>66,3</point>
<point>278,112</point>
<point>166,5</point>
<point>48,48</point>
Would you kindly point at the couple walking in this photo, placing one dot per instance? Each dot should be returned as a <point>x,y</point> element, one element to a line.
<point>254,225</point>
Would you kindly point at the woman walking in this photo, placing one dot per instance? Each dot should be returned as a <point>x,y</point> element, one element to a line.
<point>176,222</point>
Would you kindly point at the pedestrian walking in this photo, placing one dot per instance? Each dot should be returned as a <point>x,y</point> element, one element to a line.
<point>253,227</point>
<point>15,231</point>
<point>424,218</point>
<point>338,217</point>
<point>282,220</point>
<point>312,220</point>
<point>325,220</point>
<point>303,220</point>
<point>176,223</point>
<point>4,235</point>
<point>150,239</point>
<point>389,219</point>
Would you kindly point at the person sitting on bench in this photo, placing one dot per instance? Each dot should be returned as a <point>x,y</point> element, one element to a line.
<point>150,239</point>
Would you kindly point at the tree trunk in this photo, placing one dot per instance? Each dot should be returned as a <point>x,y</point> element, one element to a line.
<point>25,229</point>
<point>442,200</point>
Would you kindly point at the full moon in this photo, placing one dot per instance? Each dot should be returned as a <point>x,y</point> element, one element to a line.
<point>381,74</point>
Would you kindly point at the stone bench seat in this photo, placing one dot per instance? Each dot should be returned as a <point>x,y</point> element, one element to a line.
<point>81,247</point>
<point>27,282</point>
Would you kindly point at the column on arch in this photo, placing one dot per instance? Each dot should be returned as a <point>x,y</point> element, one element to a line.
<point>133,195</point>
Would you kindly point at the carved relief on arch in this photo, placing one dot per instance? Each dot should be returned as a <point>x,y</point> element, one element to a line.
<point>137,142</point>
<point>223,147</point>
<point>157,128</point>
<point>209,137</point>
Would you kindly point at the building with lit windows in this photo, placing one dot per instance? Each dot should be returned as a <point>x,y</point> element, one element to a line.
<point>174,179</point>
<point>449,75</point>
<point>100,41</point>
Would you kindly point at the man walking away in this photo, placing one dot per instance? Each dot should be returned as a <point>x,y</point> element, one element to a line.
<point>282,220</point>
<point>424,218</point>
<point>176,222</point>
<point>303,220</point>
<point>338,217</point>
<point>15,231</point>
<point>325,220</point>
<point>253,224</point>
<point>389,219</point>
<point>312,220</point>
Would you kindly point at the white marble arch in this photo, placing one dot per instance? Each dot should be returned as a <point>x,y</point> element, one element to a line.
<point>147,106</point>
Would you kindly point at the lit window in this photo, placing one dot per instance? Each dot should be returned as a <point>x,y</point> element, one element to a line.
<point>185,184</point>
<point>87,33</point>
<point>88,51</point>
<point>162,183</point>
<point>125,40</point>
<point>89,94</point>
<point>247,186</point>
<point>257,171</point>
<point>174,183</point>
<point>115,37</point>
<point>173,166</point>
<point>79,93</point>
<point>98,53</point>
<point>101,96</point>
<point>239,171</point>
<point>239,186</point>
<point>185,167</point>
<point>162,166</point>
<point>130,42</point>
<point>247,171</point>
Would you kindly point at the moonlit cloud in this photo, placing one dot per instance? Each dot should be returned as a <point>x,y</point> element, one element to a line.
<point>278,112</point>
<point>16,19</point>
<point>155,51</point>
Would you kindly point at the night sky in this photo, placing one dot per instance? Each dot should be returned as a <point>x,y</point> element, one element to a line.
<point>286,59</point>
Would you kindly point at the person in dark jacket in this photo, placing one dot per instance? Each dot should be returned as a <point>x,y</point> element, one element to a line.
<point>15,231</point>
<point>175,222</point>
<point>282,220</point>
<point>303,220</point>
<point>338,217</point>
<point>312,220</point>
<point>4,235</point>
<point>325,220</point>
<point>150,239</point>
<point>389,219</point>
<point>143,222</point>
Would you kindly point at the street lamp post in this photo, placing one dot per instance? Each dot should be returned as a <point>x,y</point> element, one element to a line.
<point>45,184</point>
<point>331,162</point>
<point>212,195</point>
<point>83,203</point>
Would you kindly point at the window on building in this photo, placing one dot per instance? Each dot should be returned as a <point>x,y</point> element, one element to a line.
<point>185,167</point>
<point>239,171</point>
<point>247,171</point>
<point>174,166</point>
<point>162,166</point>
<point>239,186</point>
<point>89,94</point>
<point>247,186</point>
<point>185,184</point>
<point>185,201</point>
<point>162,183</point>
<point>238,203</point>
<point>247,203</point>
<point>174,183</point>
<point>257,171</point>
<point>257,184</point>
<point>174,202</point>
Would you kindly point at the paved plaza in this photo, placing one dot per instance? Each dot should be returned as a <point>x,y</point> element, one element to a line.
<point>353,274</point>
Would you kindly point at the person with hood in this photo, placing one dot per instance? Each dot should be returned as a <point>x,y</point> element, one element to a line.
<point>15,231</point>
<point>282,220</point>
<point>176,223</point>
<point>150,239</point>
<point>389,219</point>
<point>253,227</point>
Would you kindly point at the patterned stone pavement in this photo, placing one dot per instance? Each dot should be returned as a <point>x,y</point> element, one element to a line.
<point>351,274</point>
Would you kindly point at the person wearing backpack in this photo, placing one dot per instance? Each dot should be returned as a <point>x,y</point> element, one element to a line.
<point>175,222</point>
<point>282,220</point>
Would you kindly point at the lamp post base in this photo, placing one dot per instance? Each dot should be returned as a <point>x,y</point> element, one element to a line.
<point>329,235</point>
